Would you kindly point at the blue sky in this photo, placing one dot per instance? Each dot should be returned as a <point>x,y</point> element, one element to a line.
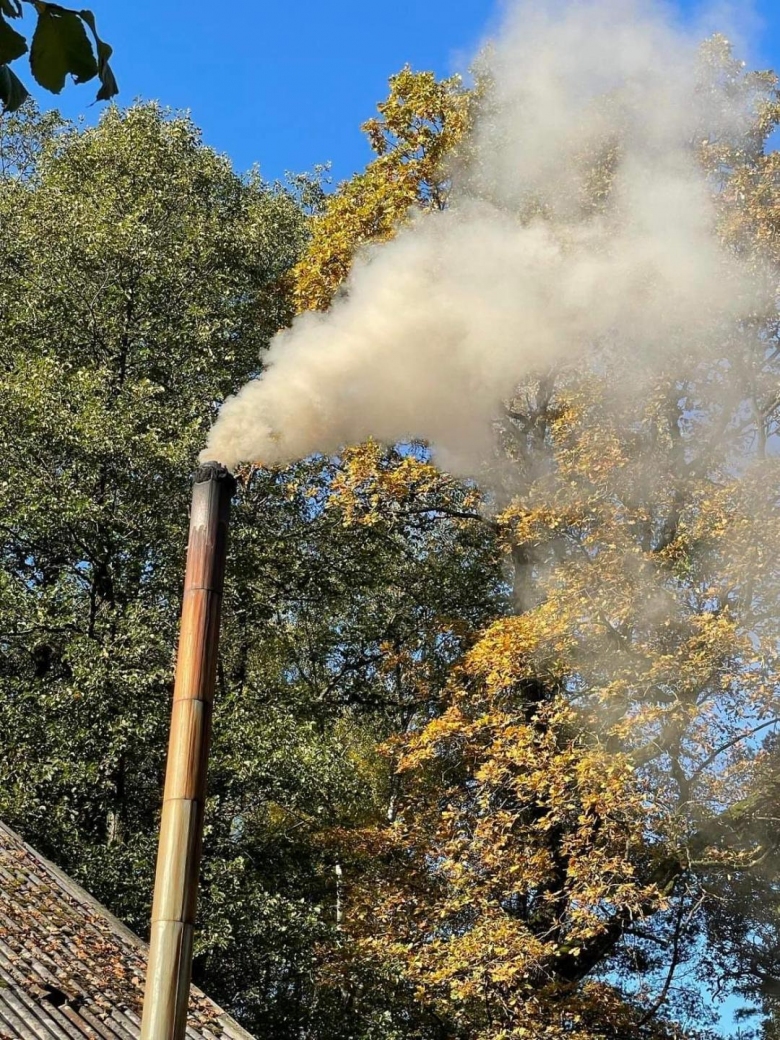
<point>287,85</point>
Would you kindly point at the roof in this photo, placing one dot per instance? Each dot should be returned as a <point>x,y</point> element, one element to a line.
<point>68,968</point>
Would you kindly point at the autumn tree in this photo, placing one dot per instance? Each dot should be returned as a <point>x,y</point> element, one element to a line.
<point>419,128</point>
<point>588,802</point>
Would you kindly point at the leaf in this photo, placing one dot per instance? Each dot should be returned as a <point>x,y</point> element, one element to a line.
<point>11,8</point>
<point>60,46</point>
<point>13,92</point>
<point>12,44</point>
<point>108,84</point>
<point>104,50</point>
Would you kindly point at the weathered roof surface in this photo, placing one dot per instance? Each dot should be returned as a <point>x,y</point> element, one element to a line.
<point>68,969</point>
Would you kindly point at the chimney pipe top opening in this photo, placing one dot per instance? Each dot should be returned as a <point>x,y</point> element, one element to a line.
<point>214,471</point>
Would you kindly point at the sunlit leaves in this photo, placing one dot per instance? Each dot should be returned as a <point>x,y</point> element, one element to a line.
<point>422,121</point>
<point>593,783</point>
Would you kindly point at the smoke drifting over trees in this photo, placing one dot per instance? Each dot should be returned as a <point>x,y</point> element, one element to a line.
<point>532,719</point>
<point>580,218</point>
<point>589,307</point>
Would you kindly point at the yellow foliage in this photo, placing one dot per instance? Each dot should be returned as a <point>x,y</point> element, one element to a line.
<point>419,125</point>
<point>595,744</point>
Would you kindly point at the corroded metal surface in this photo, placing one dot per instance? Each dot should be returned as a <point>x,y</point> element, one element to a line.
<point>181,827</point>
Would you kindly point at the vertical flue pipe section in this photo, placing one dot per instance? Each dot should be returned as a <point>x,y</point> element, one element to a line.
<point>181,829</point>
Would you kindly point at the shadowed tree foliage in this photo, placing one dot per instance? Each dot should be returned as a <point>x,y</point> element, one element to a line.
<point>64,43</point>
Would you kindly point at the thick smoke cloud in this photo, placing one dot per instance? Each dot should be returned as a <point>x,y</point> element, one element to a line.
<point>436,328</point>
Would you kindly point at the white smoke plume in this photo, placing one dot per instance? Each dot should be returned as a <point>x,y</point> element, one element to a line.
<point>436,328</point>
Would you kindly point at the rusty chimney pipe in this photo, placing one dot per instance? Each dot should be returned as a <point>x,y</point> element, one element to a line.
<point>181,829</point>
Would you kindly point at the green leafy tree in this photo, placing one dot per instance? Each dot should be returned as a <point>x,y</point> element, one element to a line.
<point>141,280</point>
<point>140,276</point>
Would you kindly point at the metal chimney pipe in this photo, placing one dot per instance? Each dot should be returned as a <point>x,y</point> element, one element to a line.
<point>181,829</point>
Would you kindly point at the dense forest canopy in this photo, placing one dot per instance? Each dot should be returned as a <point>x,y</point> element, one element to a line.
<point>492,759</point>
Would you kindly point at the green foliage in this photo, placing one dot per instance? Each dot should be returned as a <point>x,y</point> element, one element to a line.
<point>140,279</point>
<point>12,44</point>
<point>60,47</point>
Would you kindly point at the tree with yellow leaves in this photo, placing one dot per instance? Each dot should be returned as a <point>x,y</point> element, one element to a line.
<point>583,811</point>
<point>418,130</point>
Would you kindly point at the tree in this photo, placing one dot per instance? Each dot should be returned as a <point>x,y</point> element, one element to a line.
<point>141,280</point>
<point>589,799</point>
<point>332,634</point>
<point>420,125</point>
<point>140,277</point>
<point>60,47</point>
<point>488,762</point>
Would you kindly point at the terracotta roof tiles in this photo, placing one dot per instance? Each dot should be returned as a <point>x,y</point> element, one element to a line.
<point>69,970</point>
